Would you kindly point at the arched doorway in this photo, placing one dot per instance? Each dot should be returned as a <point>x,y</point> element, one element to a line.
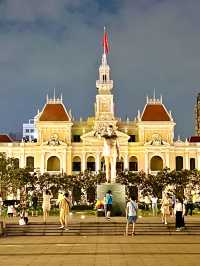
<point>119,165</point>
<point>179,163</point>
<point>133,163</point>
<point>76,164</point>
<point>53,164</point>
<point>91,163</point>
<point>30,163</point>
<point>156,163</point>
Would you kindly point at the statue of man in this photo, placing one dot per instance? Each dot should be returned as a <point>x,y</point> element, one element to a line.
<point>110,153</point>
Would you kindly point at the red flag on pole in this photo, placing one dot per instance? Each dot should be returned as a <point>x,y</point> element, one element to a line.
<point>105,42</point>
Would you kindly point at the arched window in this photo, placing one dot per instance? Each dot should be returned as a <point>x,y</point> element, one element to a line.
<point>192,163</point>
<point>119,166</point>
<point>76,164</point>
<point>16,163</point>
<point>91,163</point>
<point>133,164</point>
<point>30,163</point>
<point>104,77</point>
<point>156,163</point>
<point>53,164</point>
<point>179,163</point>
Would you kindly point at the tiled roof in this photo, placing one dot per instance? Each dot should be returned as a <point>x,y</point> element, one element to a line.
<point>155,112</point>
<point>54,112</point>
<point>5,138</point>
<point>194,139</point>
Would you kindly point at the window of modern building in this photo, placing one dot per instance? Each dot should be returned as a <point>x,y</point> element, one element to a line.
<point>132,138</point>
<point>76,138</point>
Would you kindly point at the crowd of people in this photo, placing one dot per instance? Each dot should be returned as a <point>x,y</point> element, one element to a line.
<point>170,205</point>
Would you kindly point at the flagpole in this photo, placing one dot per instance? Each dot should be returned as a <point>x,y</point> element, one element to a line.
<point>104,46</point>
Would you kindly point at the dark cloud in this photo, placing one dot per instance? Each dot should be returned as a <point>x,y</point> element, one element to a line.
<point>49,43</point>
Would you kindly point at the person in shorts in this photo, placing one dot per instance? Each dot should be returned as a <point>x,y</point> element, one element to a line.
<point>108,203</point>
<point>131,214</point>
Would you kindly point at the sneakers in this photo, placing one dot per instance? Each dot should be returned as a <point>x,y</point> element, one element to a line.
<point>61,227</point>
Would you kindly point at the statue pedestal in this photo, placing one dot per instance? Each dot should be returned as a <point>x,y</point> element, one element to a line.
<point>118,193</point>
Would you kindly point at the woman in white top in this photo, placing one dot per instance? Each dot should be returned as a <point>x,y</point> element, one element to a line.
<point>179,212</point>
<point>46,204</point>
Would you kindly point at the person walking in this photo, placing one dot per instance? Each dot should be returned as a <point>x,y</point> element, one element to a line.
<point>46,204</point>
<point>131,214</point>
<point>179,214</point>
<point>64,206</point>
<point>154,202</point>
<point>108,203</point>
<point>165,208</point>
<point>34,204</point>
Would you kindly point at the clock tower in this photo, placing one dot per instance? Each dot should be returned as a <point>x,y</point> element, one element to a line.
<point>104,106</point>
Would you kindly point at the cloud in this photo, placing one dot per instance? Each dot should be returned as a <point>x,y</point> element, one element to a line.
<point>49,43</point>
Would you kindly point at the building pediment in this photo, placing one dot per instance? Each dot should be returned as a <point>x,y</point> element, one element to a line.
<point>91,138</point>
<point>156,141</point>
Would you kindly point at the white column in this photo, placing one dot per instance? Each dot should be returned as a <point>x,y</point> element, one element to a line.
<point>146,162</point>
<point>126,162</point>
<point>22,163</point>
<point>64,162</point>
<point>198,161</point>
<point>83,163</point>
<point>97,163</point>
<point>42,166</point>
<point>187,165</point>
<point>167,160</point>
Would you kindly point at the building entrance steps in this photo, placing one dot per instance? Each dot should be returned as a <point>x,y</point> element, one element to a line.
<point>99,226</point>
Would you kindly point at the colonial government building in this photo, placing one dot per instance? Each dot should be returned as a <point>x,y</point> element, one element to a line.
<point>67,146</point>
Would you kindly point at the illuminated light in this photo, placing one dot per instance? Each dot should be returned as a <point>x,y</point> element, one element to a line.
<point>82,216</point>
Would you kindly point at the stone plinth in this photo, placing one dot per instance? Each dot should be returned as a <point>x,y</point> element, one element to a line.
<point>118,193</point>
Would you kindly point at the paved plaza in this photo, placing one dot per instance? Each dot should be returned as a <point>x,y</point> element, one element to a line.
<point>140,250</point>
<point>101,250</point>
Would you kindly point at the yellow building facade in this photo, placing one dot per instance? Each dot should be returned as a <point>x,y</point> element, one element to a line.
<point>67,146</point>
